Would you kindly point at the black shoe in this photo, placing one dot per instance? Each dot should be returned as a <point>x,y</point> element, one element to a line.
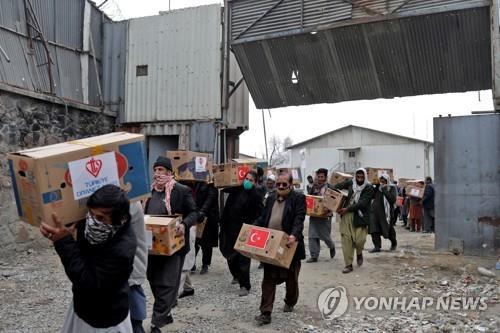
<point>347,269</point>
<point>312,260</point>
<point>374,250</point>
<point>332,252</point>
<point>193,269</point>
<point>204,269</point>
<point>261,266</point>
<point>393,247</point>
<point>263,319</point>
<point>288,308</point>
<point>359,259</point>
<point>169,320</point>
<point>186,293</point>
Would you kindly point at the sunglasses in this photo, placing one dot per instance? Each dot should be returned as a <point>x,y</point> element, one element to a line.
<point>282,184</point>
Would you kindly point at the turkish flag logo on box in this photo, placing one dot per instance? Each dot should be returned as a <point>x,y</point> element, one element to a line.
<point>258,238</point>
<point>309,202</point>
<point>242,171</point>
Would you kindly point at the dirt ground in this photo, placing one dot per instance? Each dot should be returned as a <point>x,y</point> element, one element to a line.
<point>35,293</point>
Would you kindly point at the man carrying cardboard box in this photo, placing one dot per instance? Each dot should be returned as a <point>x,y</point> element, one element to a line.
<point>243,205</point>
<point>98,262</point>
<point>320,228</point>
<point>355,217</point>
<point>284,211</point>
<point>168,198</point>
<point>382,211</point>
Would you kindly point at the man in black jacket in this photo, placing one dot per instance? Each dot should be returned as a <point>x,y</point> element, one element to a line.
<point>98,263</point>
<point>243,205</point>
<point>208,204</point>
<point>168,198</point>
<point>285,210</point>
<point>428,203</point>
<point>381,214</point>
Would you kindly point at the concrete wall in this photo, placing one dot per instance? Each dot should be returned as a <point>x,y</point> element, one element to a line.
<point>24,123</point>
<point>467,151</point>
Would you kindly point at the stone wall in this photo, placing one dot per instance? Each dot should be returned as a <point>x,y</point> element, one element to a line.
<point>25,123</point>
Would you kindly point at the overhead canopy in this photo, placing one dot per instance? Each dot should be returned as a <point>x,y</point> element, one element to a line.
<point>366,58</point>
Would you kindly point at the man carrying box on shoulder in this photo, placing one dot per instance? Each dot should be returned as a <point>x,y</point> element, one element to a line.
<point>284,210</point>
<point>168,198</point>
<point>355,217</point>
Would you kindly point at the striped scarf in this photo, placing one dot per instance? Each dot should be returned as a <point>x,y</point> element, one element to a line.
<point>164,183</point>
<point>97,232</point>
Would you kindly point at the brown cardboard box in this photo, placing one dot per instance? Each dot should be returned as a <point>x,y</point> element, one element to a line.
<point>339,177</point>
<point>334,199</point>
<point>266,245</point>
<point>403,182</point>
<point>296,174</point>
<point>315,206</point>
<point>200,227</point>
<point>59,178</point>
<point>161,236</point>
<point>376,173</point>
<point>414,191</point>
<point>190,165</point>
<point>231,174</point>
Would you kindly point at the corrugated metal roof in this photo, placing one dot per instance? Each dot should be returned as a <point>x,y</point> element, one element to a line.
<point>113,66</point>
<point>428,54</point>
<point>61,22</point>
<point>182,50</point>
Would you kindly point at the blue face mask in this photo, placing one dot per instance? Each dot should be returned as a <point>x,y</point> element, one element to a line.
<point>247,185</point>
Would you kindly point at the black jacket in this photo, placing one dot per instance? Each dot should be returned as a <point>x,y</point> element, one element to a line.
<point>207,202</point>
<point>242,206</point>
<point>293,219</point>
<point>378,218</point>
<point>362,208</point>
<point>428,199</point>
<point>99,275</point>
<point>181,202</point>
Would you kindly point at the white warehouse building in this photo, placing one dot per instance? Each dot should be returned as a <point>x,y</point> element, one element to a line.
<point>348,148</point>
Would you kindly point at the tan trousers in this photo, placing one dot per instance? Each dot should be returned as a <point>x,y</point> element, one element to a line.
<point>352,238</point>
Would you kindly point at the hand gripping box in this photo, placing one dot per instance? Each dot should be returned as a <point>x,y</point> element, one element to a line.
<point>161,236</point>
<point>59,178</point>
<point>315,206</point>
<point>266,245</point>
<point>190,165</point>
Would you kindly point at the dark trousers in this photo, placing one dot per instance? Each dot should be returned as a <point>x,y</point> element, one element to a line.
<point>405,219</point>
<point>207,251</point>
<point>274,275</point>
<point>165,289</point>
<point>137,326</point>
<point>239,266</point>
<point>428,220</point>
<point>377,238</point>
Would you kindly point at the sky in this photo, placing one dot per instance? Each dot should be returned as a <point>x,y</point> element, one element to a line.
<point>409,116</point>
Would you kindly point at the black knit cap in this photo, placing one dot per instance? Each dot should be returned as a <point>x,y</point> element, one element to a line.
<point>164,162</point>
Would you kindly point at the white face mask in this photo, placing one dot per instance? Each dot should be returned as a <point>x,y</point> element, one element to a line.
<point>97,232</point>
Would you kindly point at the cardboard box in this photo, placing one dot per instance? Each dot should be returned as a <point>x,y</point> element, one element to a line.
<point>403,182</point>
<point>334,199</point>
<point>257,163</point>
<point>378,172</point>
<point>161,237</point>
<point>339,177</point>
<point>296,174</point>
<point>231,174</point>
<point>189,165</point>
<point>59,178</point>
<point>315,206</point>
<point>414,191</point>
<point>200,227</point>
<point>266,245</point>
<point>400,201</point>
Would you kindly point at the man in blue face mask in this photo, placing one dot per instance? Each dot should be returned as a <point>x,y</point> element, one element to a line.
<point>243,205</point>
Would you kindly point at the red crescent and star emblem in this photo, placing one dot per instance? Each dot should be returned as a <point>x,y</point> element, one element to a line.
<point>258,238</point>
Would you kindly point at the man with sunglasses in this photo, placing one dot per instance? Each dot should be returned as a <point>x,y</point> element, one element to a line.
<point>284,210</point>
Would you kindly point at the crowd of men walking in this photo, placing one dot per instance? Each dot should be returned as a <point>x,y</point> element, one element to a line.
<point>107,261</point>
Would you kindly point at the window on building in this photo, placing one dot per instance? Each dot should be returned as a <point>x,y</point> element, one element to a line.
<point>352,154</point>
<point>141,70</point>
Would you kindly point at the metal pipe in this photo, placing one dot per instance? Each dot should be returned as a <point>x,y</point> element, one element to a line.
<point>265,135</point>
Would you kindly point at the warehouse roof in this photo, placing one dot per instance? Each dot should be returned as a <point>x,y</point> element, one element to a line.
<point>354,126</point>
